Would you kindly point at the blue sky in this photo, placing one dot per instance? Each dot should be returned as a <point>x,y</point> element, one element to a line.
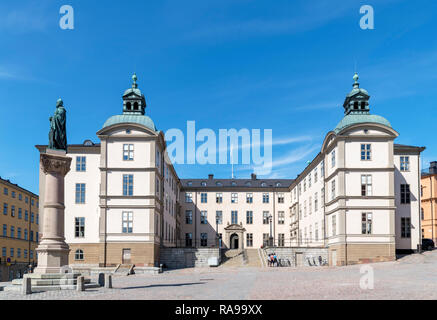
<point>282,65</point>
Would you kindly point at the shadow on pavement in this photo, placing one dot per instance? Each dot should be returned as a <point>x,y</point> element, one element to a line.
<point>164,285</point>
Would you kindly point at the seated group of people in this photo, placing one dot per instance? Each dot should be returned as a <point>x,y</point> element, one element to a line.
<point>272,260</point>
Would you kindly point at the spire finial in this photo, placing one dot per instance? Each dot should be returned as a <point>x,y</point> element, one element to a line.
<point>134,80</point>
<point>355,77</point>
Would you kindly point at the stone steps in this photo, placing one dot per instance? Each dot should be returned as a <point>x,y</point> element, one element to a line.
<point>253,259</point>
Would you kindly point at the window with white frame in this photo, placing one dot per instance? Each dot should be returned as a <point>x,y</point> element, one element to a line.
<point>281,239</point>
<point>280,198</point>
<point>203,217</point>
<point>234,217</point>
<point>309,180</point>
<point>305,208</point>
<point>333,190</point>
<point>316,231</point>
<point>315,175</point>
<point>249,239</point>
<point>203,197</point>
<point>128,152</point>
<point>316,202</point>
<point>405,163</point>
<point>322,169</point>
<point>366,223</point>
<point>366,152</point>
<point>127,222</point>
<point>188,216</point>
<point>219,217</point>
<point>80,193</point>
<point>78,255</point>
<point>310,204</point>
<point>249,217</point>
<point>219,197</point>
<point>265,198</point>
<point>333,159</point>
<point>188,197</point>
<point>234,197</point>
<point>80,164</point>
<point>266,217</point>
<point>281,217</point>
<point>128,185</point>
<point>79,227</point>
<point>366,185</point>
<point>249,198</point>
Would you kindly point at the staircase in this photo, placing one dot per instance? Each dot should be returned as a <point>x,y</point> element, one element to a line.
<point>253,258</point>
<point>124,269</point>
<point>232,258</point>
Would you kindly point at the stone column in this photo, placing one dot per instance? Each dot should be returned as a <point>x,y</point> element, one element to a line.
<point>52,250</point>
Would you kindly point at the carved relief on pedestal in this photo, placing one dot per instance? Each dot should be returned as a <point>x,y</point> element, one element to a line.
<point>55,164</point>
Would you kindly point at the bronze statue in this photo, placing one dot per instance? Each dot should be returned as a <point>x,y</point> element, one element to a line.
<point>58,129</point>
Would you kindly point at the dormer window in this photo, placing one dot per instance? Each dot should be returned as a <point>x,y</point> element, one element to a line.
<point>356,105</point>
<point>136,106</point>
<point>128,106</point>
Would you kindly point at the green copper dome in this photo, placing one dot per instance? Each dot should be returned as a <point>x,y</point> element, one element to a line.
<point>352,119</point>
<point>131,118</point>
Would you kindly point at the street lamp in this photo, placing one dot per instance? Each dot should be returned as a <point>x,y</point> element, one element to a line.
<point>271,233</point>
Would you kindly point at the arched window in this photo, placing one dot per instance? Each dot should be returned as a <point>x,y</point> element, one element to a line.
<point>136,106</point>
<point>263,184</point>
<point>128,106</point>
<point>278,184</point>
<point>233,183</point>
<point>78,255</point>
<point>248,183</point>
<point>363,105</point>
<point>356,105</point>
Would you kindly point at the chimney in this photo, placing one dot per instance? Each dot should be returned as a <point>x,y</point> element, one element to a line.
<point>210,176</point>
<point>433,167</point>
<point>253,176</point>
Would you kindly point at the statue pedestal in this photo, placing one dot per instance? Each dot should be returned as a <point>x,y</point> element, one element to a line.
<point>53,250</point>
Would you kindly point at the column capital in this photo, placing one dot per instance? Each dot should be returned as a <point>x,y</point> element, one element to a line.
<point>55,163</point>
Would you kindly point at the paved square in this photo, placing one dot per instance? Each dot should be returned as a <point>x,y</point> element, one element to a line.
<point>412,277</point>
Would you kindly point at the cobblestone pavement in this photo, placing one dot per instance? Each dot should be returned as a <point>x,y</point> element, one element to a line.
<point>412,277</point>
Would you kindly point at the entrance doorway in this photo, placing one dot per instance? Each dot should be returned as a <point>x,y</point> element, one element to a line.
<point>126,256</point>
<point>234,241</point>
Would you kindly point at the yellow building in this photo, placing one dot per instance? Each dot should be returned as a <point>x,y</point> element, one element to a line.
<point>19,224</point>
<point>429,202</point>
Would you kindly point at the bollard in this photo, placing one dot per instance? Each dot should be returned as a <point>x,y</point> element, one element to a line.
<point>26,287</point>
<point>80,283</point>
<point>101,279</point>
<point>108,281</point>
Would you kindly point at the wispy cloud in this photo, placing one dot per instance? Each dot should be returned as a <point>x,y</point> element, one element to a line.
<point>24,18</point>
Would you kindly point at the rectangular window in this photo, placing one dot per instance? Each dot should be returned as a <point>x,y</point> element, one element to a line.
<point>281,217</point>
<point>322,169</point>
<point>13,211</point>
<point>316,231</point>
<point>316,202</point>
<point>5,191</point>
<point>25,253</point>
<point>310,204</point>
<point>315,175</point>
<point>12,232</point>
<point>405,193</point>
<point>81,164</point>
<point>333,159</point>
<point>127,222</point>
<point>128,184</point>
<point>188,197</point>
<point>18,233</point>
<point>281,239</point>
<point>280,198</point>
<point>366,185</point>
<point>31,235</point>
<point>12,252</point>
<point>32,217</point>
<point>4,252</point>
<point>234,198</point>
<point>249,217</point>
<point>18,252</point>
<point>334,225</point>
<point>204,239</point>
<point>189,239</point>
<point>25,234</point>
<point>366,223</point>
<point>405,163</point>
<point>305,208</point>
<point>13,194</point>
<point>203,217</point>
<point>309,181</point>
<point>249,198</point>
<point>333,190</point>
<point>26,215</point>
<point>249,239</point>
<point>218,197</point>
<point>366,152</point>
<point>266,217</point>
<point>20,213</point>
<point>265,239</point>
<point>37,218</point>
<point>128,152</point>
<point>189,217</point>
<point>31,254</point>
<point>234,217</point>
<point>219,217</point>
<point>203,197</point>
<point>80,192</point>
<point>5,208</point>
<point>405,228</point>
<point>79,227</point>
<point>265,198</point>
<point>5,230</point>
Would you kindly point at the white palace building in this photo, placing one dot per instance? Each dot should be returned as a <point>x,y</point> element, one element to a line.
<point>359,197</point>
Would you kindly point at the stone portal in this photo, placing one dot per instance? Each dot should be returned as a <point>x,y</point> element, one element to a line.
<point>234,238</point>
